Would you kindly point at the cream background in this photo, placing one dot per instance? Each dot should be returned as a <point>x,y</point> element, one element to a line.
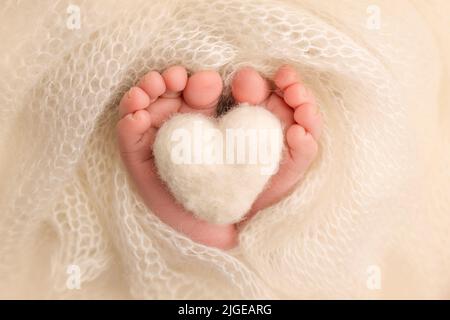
<point>377,196</point>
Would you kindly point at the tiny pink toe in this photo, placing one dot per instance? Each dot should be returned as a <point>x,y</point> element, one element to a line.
<point>153,84</point>
<point>286,76</point>
<point>309,117</point>
<point>302,146</point>
<point>249,86</point>
<point>295,95</point>
<point>175,78</point>
<point>203,89</point>
<point>131,129</point>
<point>293,135</point>
<point>135,99</point>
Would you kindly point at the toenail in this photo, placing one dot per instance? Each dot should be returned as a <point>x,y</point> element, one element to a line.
<point>130,92</point>
<point>171,94</point>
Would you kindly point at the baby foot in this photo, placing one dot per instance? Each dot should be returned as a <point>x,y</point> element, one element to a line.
<point>143,109</point>
<point>295,106</point>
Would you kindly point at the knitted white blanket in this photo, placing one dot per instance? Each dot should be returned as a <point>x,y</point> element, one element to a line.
<point>370,219</point>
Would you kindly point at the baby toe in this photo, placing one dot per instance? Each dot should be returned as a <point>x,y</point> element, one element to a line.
<point>203,90</point>
<point>133,100</point>
<point>153,84</point>
<point>249,86</point>
<point>285,77</point>
<point>302,146</point>
<point>308,117</point>
<point>175,79</point>
<point>132,132</point>
<point>297,94</point>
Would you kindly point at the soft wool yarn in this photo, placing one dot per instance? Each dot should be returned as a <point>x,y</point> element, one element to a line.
<point>214,178</point>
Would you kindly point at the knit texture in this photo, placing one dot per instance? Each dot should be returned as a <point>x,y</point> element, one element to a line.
<point>377,195</point>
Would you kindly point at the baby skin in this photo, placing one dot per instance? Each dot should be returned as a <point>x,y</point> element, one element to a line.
<point>157,96</point>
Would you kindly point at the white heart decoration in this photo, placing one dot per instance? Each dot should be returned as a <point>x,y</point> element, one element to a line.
<point>205,166</point>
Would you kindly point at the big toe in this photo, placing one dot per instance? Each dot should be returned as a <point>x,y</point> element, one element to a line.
<point>249,86</point>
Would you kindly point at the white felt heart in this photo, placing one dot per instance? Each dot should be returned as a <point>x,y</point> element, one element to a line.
<point>216,168</point>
